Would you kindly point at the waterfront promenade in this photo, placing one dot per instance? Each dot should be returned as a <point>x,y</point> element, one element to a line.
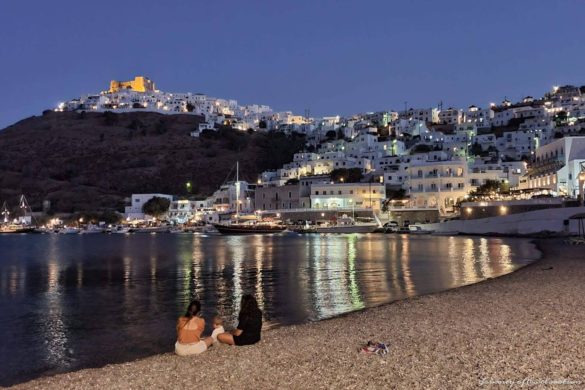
<point>527,327</point>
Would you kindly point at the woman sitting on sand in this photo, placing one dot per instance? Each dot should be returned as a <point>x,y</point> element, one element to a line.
<point>249,324</point>
<point>189,329</point>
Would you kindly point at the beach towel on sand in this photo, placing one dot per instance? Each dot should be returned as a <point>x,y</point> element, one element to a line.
<point>374,348</point>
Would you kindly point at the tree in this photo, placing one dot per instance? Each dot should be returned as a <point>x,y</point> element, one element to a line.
<point>351,175</point>
<point>137,105</point>
<point>190,107</point>
<point>488,188</point>
<point>421,148</point>
<point>110,217</point>
<point>561,118</point>
<point>331,134</point>
<point>156,206</point>
<point>475,149</point>
<point>384,131</point>
<point>262,124</point>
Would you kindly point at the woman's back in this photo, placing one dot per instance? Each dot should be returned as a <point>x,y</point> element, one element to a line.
<point>251,326</point>
<point>189,329</point>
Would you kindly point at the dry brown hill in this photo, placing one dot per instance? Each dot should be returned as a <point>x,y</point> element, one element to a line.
<point>93,161</point>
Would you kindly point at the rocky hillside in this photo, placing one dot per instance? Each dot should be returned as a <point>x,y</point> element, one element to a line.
<point>93,161</point>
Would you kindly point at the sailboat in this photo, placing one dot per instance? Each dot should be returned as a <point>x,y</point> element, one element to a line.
<point>249,227</point>
<point>5,213</point>
<point>23,227</point>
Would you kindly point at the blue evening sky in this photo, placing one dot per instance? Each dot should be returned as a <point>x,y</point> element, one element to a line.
<point>333,57</point>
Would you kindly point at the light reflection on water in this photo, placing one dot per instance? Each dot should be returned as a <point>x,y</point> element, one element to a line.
<point>76,301</point>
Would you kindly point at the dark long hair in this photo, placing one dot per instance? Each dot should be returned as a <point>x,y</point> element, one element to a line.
<point>249,306</point>
<point>193,309</point>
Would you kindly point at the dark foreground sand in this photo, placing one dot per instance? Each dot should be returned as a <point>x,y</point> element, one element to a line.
<point>524,330</point>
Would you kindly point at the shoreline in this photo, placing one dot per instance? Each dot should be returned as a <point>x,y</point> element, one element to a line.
<point>487,331</point>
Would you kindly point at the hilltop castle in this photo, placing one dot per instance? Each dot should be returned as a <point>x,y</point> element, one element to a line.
<point>139,84</point>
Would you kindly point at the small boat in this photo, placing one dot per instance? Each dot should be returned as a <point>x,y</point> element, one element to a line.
<point>390,227</point>
<point>417,229</point>
<point>120,230</point>
<point>91,229</point>
<point>69,230</point>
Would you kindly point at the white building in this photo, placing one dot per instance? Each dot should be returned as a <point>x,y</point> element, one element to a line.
<point>437,184</point>
<point>450,116</point>
<point>184,211</point>
<point>556,166</point>
<point>348,196</point>
<point>134,211</point>
<point>481,117</point>
<point>427,115</point>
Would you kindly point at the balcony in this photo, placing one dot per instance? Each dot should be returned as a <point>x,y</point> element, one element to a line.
<point>435,176</point>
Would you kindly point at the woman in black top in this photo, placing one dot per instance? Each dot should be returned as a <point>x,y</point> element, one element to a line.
<point>249,324</point>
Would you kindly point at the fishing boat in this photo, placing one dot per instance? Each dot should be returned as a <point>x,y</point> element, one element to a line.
<point>69,230</point>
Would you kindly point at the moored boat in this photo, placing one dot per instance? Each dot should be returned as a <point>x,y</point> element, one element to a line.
<point>91,229</point>
<point>246,228</point>
<point>357,228</point>
<point>416,229</point>
<point>69,230</point>
<point>17,229</point>
<point>344,224</point>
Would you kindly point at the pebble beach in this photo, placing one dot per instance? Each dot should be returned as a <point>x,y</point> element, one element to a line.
<point>524,330</point>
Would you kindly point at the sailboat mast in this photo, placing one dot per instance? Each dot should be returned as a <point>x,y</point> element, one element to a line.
<point>5,212</point>
<point>237,190</point>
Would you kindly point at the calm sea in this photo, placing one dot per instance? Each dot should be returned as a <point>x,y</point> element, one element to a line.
<point>75,301</point>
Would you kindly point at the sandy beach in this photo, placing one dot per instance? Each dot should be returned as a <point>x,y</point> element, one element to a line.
<point>524,330</point>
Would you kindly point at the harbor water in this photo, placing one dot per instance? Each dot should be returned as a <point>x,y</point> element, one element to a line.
<point>75,301</point>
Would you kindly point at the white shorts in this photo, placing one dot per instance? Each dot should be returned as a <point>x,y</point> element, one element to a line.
<point>190,349</point>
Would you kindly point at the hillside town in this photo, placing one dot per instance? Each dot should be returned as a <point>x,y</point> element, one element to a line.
<point>426,161</point>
